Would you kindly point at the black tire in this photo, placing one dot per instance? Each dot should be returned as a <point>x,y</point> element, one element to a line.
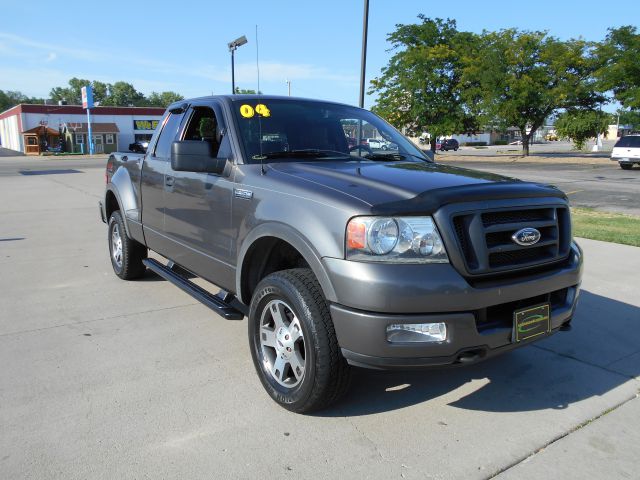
<point>455,149</point>
<point>128,263</point>
<point>326,374</point>
<point>626,166</point>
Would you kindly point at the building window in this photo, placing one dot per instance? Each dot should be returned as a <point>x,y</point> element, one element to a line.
<point>109,138</point>
<point>79,138</point>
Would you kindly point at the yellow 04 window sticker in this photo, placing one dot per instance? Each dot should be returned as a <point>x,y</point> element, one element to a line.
<point>247,111</point>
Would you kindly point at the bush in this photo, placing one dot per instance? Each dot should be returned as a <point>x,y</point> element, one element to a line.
<point>501,142</point>
<point>475,144</point>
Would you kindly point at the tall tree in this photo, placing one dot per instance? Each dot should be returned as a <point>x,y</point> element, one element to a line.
<point>11,98</point>
<point>523,77</point>
<point>71,94</point>
<point>620,70</point>
<point>163,99</point>
<point>581,125</point>
<point>123,94</point>
<point>420,88</point>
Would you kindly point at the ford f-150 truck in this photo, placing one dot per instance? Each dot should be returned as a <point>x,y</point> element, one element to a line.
<point>339,256</point>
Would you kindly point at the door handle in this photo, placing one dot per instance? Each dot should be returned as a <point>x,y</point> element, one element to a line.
<point>168,180</point>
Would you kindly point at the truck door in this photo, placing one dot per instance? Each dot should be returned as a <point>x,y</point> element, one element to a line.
<point>198,205</point>
<point>153,181</point>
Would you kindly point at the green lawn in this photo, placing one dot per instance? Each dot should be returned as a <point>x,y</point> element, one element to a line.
<point>605,226</point>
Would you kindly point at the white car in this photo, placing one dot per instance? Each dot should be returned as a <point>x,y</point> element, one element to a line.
<point>378,143</point>
<point>627,151</point>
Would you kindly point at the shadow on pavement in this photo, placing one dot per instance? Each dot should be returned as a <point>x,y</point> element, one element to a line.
<point>565,368</point>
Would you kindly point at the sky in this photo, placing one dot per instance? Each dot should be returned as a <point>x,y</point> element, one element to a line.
<point>182,46</point>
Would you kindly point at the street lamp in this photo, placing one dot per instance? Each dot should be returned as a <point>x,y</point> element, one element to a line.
<point>238,42</point>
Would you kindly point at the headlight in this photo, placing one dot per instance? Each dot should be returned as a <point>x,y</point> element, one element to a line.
<point>396,240</point>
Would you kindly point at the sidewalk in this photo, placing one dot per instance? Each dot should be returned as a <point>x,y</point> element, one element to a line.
<point>608,447</point>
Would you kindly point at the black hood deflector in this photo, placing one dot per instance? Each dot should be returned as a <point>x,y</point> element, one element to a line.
<point>431,200</point>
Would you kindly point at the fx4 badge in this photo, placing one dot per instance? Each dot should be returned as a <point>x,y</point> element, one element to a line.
<point>241,193</point>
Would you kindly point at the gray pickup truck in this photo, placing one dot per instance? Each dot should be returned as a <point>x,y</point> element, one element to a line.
<point>339,254</point>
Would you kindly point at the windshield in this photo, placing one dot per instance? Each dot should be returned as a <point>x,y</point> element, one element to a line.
<point>282,129</point>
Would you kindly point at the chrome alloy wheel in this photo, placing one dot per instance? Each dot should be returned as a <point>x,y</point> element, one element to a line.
<point>282,344</point>
<point>116,245</point>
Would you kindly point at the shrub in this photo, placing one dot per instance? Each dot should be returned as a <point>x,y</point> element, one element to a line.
<point>501,142</point>
<point>475,144</point>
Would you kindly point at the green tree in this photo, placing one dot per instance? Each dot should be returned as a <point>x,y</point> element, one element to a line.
<point>246,91</point>
<point>581,125</point>
<point>420,88</point>
<point>123,94</point>
<point>71,94</point>
<point>620,70</point>
<point>522,77</point>
<point>9,99</point>
<point>163,99</point>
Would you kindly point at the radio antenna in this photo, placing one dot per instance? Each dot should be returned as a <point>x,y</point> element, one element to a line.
<point>257,60</point>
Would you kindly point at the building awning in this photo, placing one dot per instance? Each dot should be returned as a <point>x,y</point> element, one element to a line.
<point>95,128</point>
<point>41,130</point>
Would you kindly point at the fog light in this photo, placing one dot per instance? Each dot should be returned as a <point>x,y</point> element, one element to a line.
<point>416,332</point>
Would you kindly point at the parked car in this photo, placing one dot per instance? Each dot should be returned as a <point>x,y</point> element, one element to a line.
<point>388,262</point>
<point>139,147</point>
<point>626,151</point>
<point>447,144</point>
<point>378,143</point>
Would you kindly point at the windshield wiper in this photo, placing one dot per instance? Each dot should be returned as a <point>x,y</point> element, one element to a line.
<point>305,153</point>
<point>384,156</point>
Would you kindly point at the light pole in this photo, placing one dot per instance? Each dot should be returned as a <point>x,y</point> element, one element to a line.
<point>232,48</point>
<point>288,82</point>
<point>363,62</point>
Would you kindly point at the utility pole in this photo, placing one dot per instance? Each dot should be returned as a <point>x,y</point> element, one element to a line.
<point>363,62</point>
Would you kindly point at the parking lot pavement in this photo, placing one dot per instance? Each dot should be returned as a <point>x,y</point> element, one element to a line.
<point>103,378</point>
<point>602,186</point>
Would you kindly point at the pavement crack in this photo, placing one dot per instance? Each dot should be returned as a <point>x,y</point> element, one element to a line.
<point>591,364</point>
<point>561,436</point>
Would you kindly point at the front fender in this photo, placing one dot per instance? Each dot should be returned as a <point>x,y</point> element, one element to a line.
<point>295,239</point>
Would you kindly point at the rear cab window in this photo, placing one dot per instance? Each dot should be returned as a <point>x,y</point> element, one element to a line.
<point>630,141</point>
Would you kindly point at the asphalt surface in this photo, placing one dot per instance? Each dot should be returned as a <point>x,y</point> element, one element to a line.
<point>603,186</point>
<point>103,378</point>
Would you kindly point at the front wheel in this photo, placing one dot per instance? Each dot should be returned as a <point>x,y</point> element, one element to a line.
<point>626,166</point>
<point>293,342</point>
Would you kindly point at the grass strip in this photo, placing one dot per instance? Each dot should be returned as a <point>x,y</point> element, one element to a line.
<point>606,226</point>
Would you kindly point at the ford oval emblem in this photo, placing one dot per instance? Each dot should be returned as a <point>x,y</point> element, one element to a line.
<point>526,236</point>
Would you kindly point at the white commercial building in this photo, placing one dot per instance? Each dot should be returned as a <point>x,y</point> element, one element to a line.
<point>28,128</point>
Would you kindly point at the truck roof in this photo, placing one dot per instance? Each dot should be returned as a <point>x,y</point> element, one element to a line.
<point>253,97</point>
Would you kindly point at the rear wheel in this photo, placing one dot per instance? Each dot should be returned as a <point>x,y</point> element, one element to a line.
<point>126,254</point>
<point>626,166</point>
<point>293,343</point>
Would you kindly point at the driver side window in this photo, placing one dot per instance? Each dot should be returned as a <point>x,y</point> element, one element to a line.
<point>203,126</point>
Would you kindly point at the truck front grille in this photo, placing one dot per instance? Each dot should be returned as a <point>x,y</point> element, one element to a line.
<point>486,245</point>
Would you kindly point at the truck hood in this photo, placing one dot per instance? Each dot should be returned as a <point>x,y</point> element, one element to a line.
<point>402,187</point>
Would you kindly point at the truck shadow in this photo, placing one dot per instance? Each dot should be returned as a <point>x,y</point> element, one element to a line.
<point>600,353</point>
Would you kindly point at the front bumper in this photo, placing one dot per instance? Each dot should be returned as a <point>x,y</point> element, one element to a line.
<point>478,318</point>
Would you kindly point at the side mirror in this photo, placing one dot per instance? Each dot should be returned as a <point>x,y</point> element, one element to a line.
<point>195,156</point>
